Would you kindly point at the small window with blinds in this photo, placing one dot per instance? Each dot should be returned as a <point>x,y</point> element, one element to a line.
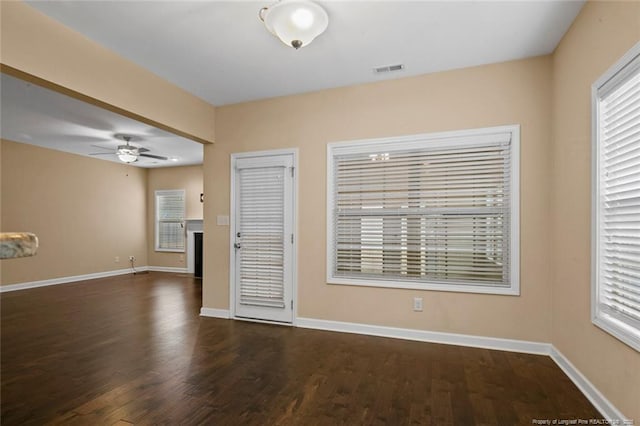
<point>616,200</point>
<point>170,220</point>
<point>436,212</point>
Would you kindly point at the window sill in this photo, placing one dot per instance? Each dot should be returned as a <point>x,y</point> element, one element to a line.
<point>170,250</point>
<point>618,329</point>
<point>514,290</point>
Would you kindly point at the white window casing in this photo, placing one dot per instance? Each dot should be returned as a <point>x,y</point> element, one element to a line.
<point>433,211</point>
<point>615,278</point>
<point>170,212</point>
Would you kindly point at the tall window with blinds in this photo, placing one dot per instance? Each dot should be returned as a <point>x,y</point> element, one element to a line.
<point>170,233</point>
<point>436,211</point>
<point>616,200</point>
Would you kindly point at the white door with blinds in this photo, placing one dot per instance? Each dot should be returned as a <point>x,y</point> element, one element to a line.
<point>262,236</point>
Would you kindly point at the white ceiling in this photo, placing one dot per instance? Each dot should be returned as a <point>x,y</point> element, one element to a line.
<point>38,116</point>
<point>221,52</point>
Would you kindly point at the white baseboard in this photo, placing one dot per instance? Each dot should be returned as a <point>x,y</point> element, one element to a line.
<point>427,336</point>
<point>67,280</point>
<point>215,313</point>
<point>168,269</point>
<point>602,404</point>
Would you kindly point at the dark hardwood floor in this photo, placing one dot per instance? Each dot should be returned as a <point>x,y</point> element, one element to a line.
<point>132,349</point>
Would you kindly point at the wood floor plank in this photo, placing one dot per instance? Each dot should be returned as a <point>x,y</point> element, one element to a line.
<point>134,350</point>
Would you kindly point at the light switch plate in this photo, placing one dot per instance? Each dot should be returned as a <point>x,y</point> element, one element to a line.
<point>222,220</point>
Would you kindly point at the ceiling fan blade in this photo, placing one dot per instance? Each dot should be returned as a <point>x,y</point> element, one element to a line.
<point>103,147</point>
<point>141,149</point>
<point>102,153</point>
<point>157,157</point>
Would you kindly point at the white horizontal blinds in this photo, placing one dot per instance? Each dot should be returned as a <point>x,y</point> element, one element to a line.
<point>619,214</point>
<point>436,213</point>
<point>170,211</point>
<point>261,226</point>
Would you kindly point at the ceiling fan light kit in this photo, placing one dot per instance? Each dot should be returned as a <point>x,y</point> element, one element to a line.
<point>295,22</point>
<point>127,154</point>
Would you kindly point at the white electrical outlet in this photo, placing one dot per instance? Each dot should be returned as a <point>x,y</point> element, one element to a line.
<point>116,259</point>
<point>417,304</point>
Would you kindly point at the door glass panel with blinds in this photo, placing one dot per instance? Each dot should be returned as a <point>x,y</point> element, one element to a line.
<point>263,237</point>
<point>433,211</point>
<point>616,200</point>
<point>170,220</point>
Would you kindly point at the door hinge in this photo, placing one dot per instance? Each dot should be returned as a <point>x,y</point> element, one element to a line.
<point>292,168</point>
<point>291,238</point>
<point>291,303</point>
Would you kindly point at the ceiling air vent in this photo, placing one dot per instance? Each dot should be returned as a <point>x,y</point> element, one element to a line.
<point>388,68</point>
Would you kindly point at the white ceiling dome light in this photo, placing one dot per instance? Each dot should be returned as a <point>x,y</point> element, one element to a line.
<point>295,22</point>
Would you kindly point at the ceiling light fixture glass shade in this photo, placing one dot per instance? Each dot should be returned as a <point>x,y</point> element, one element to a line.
<point>295,22</point>
<point>127,154</point>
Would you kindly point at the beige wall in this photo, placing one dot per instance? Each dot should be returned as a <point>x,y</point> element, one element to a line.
<point>601,34</point>
<point>508,93</point>
<point>188,178</point>
<point>38,45</point>
<point>84,211</point>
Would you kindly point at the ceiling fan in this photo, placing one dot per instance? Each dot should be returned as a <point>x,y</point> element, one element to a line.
<point>128,153</point>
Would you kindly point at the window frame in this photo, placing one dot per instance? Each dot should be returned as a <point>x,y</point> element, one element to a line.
<point>617,74</point>
<point>157,194</point>
<point>448,139</point>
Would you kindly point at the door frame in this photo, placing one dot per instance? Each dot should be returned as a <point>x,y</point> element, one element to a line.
<point>232,233</point>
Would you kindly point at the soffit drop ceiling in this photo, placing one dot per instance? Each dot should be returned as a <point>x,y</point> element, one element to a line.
<point>37,116</point>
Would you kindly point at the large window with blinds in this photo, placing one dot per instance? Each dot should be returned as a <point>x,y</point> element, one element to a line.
<point>616,200</point>
<point>436,211</point>
<point>170,233</point>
